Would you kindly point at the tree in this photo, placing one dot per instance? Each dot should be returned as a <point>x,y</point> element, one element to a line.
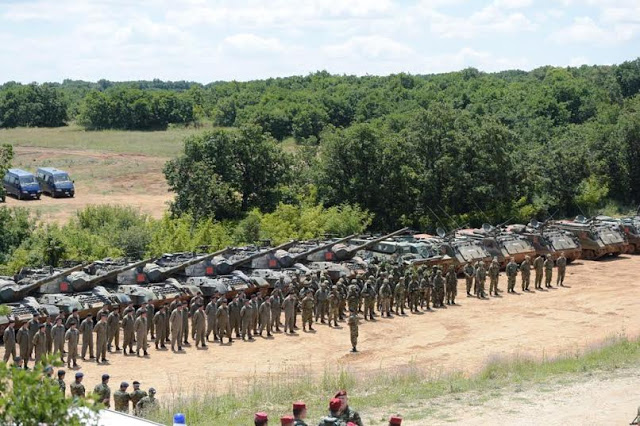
<point>224,173</point>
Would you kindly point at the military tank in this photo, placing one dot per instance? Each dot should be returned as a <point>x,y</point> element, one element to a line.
<point>597,238</point>
<point>24,310</point>
<point>459,248</point>
<point>500,243</point>
<point>549,240</point>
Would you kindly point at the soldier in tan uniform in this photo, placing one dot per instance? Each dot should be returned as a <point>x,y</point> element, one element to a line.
<point>200,326</point>
<point>9,339</point>
<point>57,335</point>
<point>86,329</point>
<point>128,324</point>
<point>101,338</point>
<point>140,328</point>
<point>40,343</point>
<point>160,322</point>
<point>72,336</point>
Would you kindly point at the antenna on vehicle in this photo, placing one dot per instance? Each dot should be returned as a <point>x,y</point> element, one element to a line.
<point>481,211</point>
<point>450,217</point>
<point>441,233</point>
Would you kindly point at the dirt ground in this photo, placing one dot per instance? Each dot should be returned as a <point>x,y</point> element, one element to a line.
<point>100,178</point>
<point>601,302</point>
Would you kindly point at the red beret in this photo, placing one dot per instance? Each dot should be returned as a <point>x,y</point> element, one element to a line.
<point>395,421</point>
<point>286,420</point>
<point>261,417</point>
<point>299,405</point>
<point>351,424</point>
<point>335,404</point>
<point>340,393</point>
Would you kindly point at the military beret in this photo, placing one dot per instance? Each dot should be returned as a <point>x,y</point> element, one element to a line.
<point>61,373</point>
<point>395,421</point>
<point>299,405</point>
<point>124,385</point>
<point>286,420</point>
<point>152,390</point>
<point>135,382</point>
<point>261,417</point>
<point>79,374</point>
<point>335,404</point>
<point>105,377</point>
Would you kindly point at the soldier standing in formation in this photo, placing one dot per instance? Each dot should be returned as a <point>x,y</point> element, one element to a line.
<point>451,286</point>
<point>512,273</point>
<point>9,339</point>
<point>562,267</point>
<point>525,272</point>
<point>101,338</point>
<point>200,327</point>
<point>307,306</point>
<point>176,327</point>
<point>299,413</point>
<point>160,323</point>
<point>72,336</point>
<point>548,271</point>
<point>469,275</point>
<point>494,276</point>
<point>58,335</point>
<point>113,329</point>
<point>40,343</point>
<point>121,398</point>
<point>128,331</point>
<point>289,306</point>
<point>264,316</point>
<point>222,318</point>
<point>140,328</point>
<point>212,326</point>
<point>481,279</point>
<point>538,266</point>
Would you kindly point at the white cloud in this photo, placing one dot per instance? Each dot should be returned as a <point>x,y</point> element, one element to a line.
<point>585,30</point>
<point>374,47</point>
<point>251,43</point>
<point>513,4</point>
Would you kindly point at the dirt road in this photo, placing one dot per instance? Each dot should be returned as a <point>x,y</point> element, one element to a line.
<point>600,302</point>
<point>100,178</point>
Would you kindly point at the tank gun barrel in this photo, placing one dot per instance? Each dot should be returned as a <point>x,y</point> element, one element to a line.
<point>25,290</point>
<point>303,255</point>
<point>258,254</point>
<point>182,266</point>
<point>351,252</point>
<point>115,272</point>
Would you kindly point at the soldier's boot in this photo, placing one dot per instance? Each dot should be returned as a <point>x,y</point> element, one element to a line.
<point>130,351</point>
<point>269,334</point>
<point>353,349</point>
<point>138,353</point>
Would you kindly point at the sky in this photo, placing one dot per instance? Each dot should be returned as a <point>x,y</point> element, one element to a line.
<point>207,40</point>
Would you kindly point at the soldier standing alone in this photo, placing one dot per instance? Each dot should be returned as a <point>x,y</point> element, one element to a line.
<point>353,330</point>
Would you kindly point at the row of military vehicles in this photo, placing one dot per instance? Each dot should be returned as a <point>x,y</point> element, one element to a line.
<point>24,185</point>
<point>119,282</point>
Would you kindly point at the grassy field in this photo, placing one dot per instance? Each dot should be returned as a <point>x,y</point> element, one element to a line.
<point>377,395</point>
<point>164,144</point>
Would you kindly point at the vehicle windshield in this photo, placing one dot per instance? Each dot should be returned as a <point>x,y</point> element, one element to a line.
<point>27,180</point>
<point>62,177</point>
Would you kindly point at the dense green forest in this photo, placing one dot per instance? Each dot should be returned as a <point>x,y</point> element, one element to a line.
<point>420,150</point>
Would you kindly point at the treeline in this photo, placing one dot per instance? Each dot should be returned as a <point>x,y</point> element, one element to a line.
<point>116,231</point>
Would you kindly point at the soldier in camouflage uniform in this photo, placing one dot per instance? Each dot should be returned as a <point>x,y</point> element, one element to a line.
<point>307,306</point>
<point>321,296</point>
<point>548,271</point>
<point>469,274</point>
<point>369,295</point>
<point>276,309</point>
<point>538,265</point>
<point>346,414</point>
<point>334,309</point>
<point>103,392</point>
<point>494,276</point>
<point>481,279</point>
<point>136,396</point>
<point>512,274</point>
<point>562,268</point>
<point>426,287</point>
<point>353,330</point>
<point>148,403</point>
<point>77,388</point>
<point>414,292</point>
<point>234,315</point>
<point>525,272</point>
<point>385,298</point>
<point>61,384</point>
<point>121,398</point>
<point>399,296</point>
<point>451,285</point>
<point>438,289</point>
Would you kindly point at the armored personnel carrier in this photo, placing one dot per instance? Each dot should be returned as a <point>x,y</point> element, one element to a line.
<point>459,248</point>
<point>630,227</point>
<point>549,240</point>
<point>500,243</point>
<point>598,238</point>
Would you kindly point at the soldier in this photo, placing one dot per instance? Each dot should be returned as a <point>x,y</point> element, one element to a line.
<point>103,392</point>
<point>538,264</point>
<point>136,396</point>
<point>176,327</point>
<point>140,328</point>
<point>9,339</point>
<point>494,276</point>
<point>40,343</point>
<point>321,296</point>
<point>369,297</point>
<point>346,414</point>
<point>22,338</point>
<point>264,314</point>
<point>512,273</point>
<point>234,315</point>
<point>113,329</point>
<point>61,384</point>
<point>548,271</point>
<point>353,330</point>
<point>121,398</point>
<point>148,403</point>
<point>74,317</point>
<point>101,338</point>
<point>185,325</point>
<point>438,286</point>
<point>57,337</point>
<point>128,325</point>
<point>481,279</point>
<point>307,306</point>
<point>160,323</point>
<point>398,295</point>
<point>72,336</point>
<point>193,308</point>
<point>48,326</point>
<point>276,310</point>
<point>289,306</point>
<point>425,287</point>
<point>452,285</point>
<point>86,328</point>
<point>562,268</point>
<point>525,272</point>
<point>299,413</point>
<point>200,327</point>
<point>246,317</point>
<point>353,297</point>
<point>334,309</point>
<point>385,298</point>
<point>77,388</point>
<point>34,327</point>
<point>222,318</point>
<point>151,311</point>
<point>210,312</point>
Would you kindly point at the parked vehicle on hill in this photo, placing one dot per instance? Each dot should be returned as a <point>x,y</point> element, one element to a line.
<point>54,182</point>
<point>21,184</point>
